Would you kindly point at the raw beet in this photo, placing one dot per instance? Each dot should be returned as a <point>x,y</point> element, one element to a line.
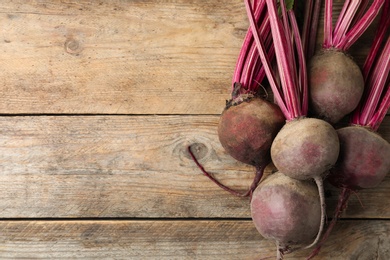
<point>336,85</point>
<point>305,148</point>
<point>286,210</point>
<point>364,159</point>
<point>246,130</point>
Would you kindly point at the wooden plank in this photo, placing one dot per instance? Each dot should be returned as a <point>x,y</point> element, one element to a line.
<point>120,166</point>
<point>129,166</point>
<point>126,57</point>
<point>118,56</point>
<point>176,240</point>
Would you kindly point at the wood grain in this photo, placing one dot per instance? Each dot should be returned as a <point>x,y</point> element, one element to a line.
<point>200,239</point>
<point>99,101</point>
<point>126,57</point>
<point>130,166</point>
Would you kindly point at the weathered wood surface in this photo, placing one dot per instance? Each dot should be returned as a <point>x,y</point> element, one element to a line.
<point>99,102</point>
<point>129,166</point>
<point>141,239</point>
<point>126,57</point>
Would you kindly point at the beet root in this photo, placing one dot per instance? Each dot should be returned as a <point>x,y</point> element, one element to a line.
<point>286,210</point>
<point>364,159</point>
<point>246,130</point>
<point>363,163</point>
<point>305,148</point>
<point>336,85</point>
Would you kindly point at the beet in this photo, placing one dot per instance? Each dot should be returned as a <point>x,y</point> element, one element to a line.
<point>364,159</point>
<point>286,210</point>
<point>246,130</point>
<point>336,85</point>
<point>363,163</point>
<point>305,148</point>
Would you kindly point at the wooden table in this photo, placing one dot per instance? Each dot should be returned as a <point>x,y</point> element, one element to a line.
<point>99,102</point>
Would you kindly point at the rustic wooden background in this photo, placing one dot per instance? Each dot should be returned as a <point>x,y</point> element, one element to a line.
<point>99,101</point>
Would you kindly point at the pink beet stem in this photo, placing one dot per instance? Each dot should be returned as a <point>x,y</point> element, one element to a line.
<point>328,24</point>
<point>381,33</point>
<point>376,83</point>
<point>360,27</point>
<point>285,56</point>
<point>381,111</point>
<point>241,71</point>
<point>345,19</point>
<point>250,63</point>
<point>302,64</point>
<point>240,61</point>
<point>266,63</point>
<point>313,30</point>
<point>375,102</point>
<point>245,47</point>
<point>260,75</point>
<point>291,95</point>
<point>253,63</point>
<point>341,16</point>
<point>360,12</point>
<point>295,41</point>
<point>288,37</point>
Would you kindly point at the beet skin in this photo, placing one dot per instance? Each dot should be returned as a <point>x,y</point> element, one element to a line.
<point>364,159</point>
<point>336,85</point>
<point>246,130</point>
<point>286,210</point>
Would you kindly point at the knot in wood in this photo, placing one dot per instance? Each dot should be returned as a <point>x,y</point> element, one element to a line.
<point>73,46</point>
<point>199,150</point>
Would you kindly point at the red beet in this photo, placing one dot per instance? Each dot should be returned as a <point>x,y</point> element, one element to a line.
<point>286,210</point>
<point>246,130</point>
<point>305,148</point>
<point>336,85</point>
<point>364,159</point>
<point>335,81</point>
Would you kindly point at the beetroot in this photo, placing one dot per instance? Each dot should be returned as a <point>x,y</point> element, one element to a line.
<point>246,131</point>
<point>286,210</point>
<point>336,82</point>
<point>305,148</point>
<point>364,159</point>
<point>363,163</point>
<point>336,85</point>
